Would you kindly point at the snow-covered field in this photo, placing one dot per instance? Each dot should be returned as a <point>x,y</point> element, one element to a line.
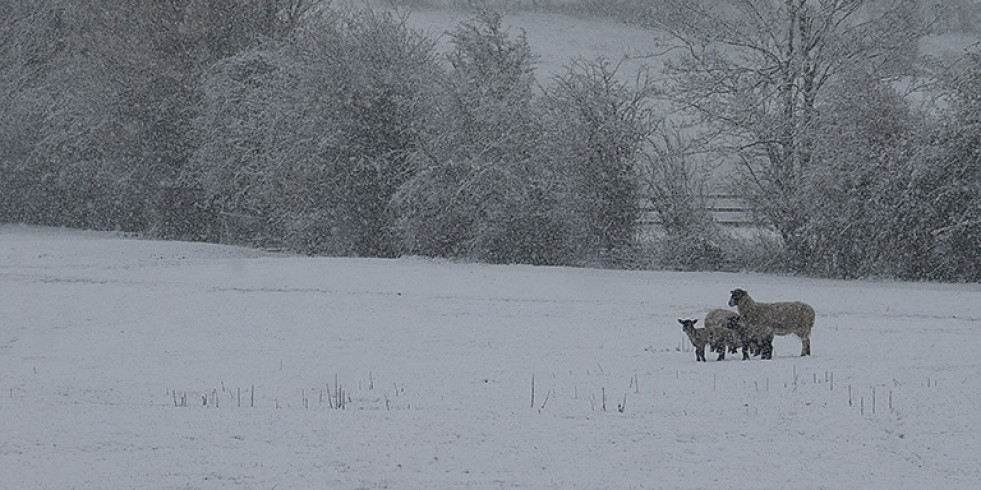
<point>105,339</point>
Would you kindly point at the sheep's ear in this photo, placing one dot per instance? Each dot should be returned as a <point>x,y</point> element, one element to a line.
<point>681,321</point>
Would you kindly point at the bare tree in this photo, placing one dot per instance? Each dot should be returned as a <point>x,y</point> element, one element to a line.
<point>754,74</point>
<point>677,186</point>
<point>677,183</point>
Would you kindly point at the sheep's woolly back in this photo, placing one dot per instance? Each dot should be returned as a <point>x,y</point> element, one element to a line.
<point>783,317</point>
<point>708,335</point>
<point>719,317</point>
<point>716,335</point>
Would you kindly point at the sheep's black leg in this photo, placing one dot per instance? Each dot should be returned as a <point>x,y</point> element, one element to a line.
<point>766,350</point>
<point>720,348</point>
<point>805,347</point>
<point>700,354</point>
<point>745,351</point>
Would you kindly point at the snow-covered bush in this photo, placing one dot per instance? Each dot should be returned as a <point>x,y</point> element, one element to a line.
<point>478,190</point>
<point>862,142</point>
<point>308,141</point>
<point>895,192</point>
<point>755,249</point>
<point>951,180</point>
<point>595,129</point>
<point>677,189</point>
<point>380,77</point>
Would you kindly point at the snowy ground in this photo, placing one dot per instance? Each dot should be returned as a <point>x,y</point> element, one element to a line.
<point>103,338</point>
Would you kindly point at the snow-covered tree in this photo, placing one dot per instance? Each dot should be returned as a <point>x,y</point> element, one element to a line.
<point>677,187</point>
<point>864,138</point>
<point>214,29</point>
<point>190,37</point>
<point>70,150</point>
<point>597,127</point>
<point>382,76</point>
<point>755,73</point>
<point>473,189</point>
<point>303,144</point>
<point>99,96</point>
<point>949,180</point>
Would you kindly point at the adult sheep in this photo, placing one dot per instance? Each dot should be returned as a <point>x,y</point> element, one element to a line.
<point>788,317</point>
<point>721,318</point>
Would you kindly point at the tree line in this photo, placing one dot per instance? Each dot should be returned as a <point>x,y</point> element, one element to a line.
<point>292,124</point>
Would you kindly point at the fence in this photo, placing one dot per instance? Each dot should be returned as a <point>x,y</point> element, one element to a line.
<point>726,209</point>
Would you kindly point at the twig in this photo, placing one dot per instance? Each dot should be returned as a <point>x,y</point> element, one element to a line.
<point>547,395</point>
<point>532,390</point>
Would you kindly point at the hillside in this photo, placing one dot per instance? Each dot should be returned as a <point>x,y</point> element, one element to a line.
<point>558,38</point>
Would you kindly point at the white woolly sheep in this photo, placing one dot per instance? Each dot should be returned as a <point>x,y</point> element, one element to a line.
<point>758,342</point>
<point>720,318</point>
<point>788,317</point>
<point>699,337</point>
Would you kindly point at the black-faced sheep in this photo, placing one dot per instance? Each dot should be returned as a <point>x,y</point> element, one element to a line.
<point>757,342</point>
<point>713,336</point>
<point>720,318</point>
<point>789,317</point>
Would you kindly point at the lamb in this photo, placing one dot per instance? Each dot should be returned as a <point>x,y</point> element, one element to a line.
<point>758,342</point>
<point>713,336</point>
<point>789,317</point>
<point>720,318</point>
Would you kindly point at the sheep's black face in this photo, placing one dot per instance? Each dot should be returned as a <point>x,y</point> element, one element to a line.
<point>687,323</point>
<point>736,296</point>
<point>732,322</point>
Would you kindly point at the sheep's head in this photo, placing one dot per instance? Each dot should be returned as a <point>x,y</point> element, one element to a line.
<point>736,296</point>
<point>687,324</point>
<point>732,322</point>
